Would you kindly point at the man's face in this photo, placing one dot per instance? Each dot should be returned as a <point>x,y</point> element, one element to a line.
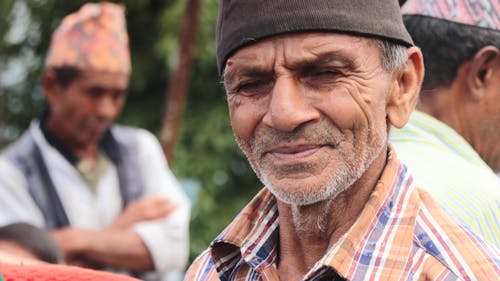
<point>82,111</point>
<point>484,120</point>
<point>309,111</point>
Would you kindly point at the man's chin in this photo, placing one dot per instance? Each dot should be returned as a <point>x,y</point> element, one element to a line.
<point>90,140</point>
<point>300,199</point>
<point>305,194</point>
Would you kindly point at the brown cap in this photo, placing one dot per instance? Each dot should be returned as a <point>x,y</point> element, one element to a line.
<point>242,22</point>
<point>93,38</point>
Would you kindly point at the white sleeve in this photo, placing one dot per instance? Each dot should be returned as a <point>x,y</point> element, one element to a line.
<point>166,239</point>
<point>16,204</point>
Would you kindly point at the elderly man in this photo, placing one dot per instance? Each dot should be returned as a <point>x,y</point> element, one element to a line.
<point>312,90</point>
<point>104,191</point>
<point>452,141</point>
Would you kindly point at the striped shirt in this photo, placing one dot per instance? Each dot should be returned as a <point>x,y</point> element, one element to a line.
<point>447,166</point>
<point>401,234</point>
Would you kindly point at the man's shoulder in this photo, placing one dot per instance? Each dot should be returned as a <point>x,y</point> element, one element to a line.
<point>20,148</point>
<point>451,243</point>
<point>202,268</point>
<point>257,222</point>
<point>125,133</point>
<point>136,144</point>
<point>440,170</point>
<point>124,129</point>
<point>429,146</point>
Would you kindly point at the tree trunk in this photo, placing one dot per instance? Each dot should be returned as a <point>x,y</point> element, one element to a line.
<point>179,80</point>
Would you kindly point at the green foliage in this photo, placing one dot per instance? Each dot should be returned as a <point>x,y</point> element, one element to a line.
<point>206,149</point>
<point>208,152</point>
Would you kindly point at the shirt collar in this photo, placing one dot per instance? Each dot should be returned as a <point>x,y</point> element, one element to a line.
<point>253,236</point>
<point>54,141</point>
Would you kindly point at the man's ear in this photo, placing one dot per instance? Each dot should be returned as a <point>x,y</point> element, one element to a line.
<point>480,71</point>
<point>405,90</point>
<point>50,84</point>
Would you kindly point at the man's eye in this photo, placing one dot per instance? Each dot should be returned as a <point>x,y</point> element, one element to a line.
<point>326,73</point>
<point>248,86</point>
<point>321,79</point>
<point>321,76</point>
<point>252,88</point>
<point>117,95</point>
<point>94,92</point>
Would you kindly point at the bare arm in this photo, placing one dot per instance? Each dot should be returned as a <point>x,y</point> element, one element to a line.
<point>144,209</point>
<point>114,248</point>
<point>11,252</point>
<point>118,245</point>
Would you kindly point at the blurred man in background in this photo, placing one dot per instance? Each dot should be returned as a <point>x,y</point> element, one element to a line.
<point>452,141</point>
<point>104,191</point>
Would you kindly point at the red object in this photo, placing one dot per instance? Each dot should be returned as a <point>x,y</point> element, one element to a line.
<point>55,272</point>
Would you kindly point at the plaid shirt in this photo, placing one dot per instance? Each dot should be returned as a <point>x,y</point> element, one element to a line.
<point>401,234</point>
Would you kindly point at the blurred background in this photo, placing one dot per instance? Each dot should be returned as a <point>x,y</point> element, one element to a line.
<point>203,155</point>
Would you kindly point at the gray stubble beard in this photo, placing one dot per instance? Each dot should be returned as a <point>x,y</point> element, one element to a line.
<point>350,171</point>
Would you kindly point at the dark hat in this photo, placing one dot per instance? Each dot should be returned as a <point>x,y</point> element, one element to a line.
<point>242,22</point>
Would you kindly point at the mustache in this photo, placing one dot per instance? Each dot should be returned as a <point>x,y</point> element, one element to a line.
<point>267,138</point>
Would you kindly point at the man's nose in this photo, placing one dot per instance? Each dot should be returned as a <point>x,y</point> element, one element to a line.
<point>108,107</point>
<point>289,107</point>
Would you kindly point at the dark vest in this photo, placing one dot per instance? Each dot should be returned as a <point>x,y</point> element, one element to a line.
<point>119,144</point>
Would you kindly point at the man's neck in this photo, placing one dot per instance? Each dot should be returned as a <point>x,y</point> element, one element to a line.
<point>71,151</point>
<point>448,106</point>
<point>307,232</point>
<point>88,153</point>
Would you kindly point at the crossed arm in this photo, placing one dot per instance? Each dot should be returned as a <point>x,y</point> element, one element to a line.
<point>118,245</point>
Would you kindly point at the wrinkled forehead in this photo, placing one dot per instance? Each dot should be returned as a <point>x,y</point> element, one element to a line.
<point>294,49</point>
<point>103,79</point>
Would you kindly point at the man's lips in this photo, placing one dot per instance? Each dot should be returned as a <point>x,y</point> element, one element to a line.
<point>294,152</point>
<point>97,127</point>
